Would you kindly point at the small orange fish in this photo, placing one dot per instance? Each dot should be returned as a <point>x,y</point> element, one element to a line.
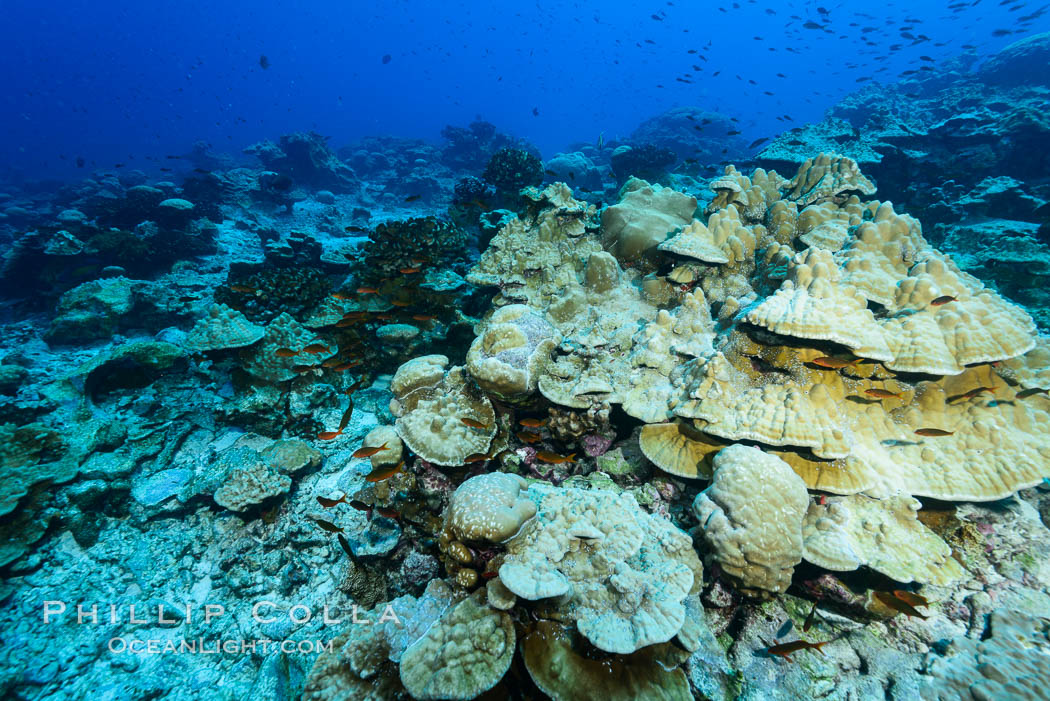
<point>826,361</point>
<point>973,393</point>
<point>387,512</point>
<point>554,458</point>
<point>343,367</point>
<point>882,393</point>
<point>911,598</point>
<point>345,296</point>
<point>933,432</point>
<point>344,323</point>
<point>384,317</point>
<point>419,261</point>
<point>943,299</point>
<point>477,457</point>
<point>899,605</point>
<point>345,421</point>
<point>473,423</point>
<point>787,649</point>
<point>490,574</point>
<point>367,291</point>
<point>331,362</point>
<point>423,317</point>
<point>315,348</point>
<point>304,368</point>
<point>368,452</point>
<point>383,473</point>
<point>355,315</point>
<point>329,435</point>
<point>408,271</point>
<point>286,353</point>
<point>533,423</point>
<point>528,437</point>
<point>353,388</point>
<point>400,303</point>
<point>1031,391</point>
<point>329,503</point>
<point>328,526</point>
<point>244,289</point>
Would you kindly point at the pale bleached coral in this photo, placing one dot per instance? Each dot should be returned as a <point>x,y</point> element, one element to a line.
<point>643,218</point>
<point>465,653</point>
<point>444,423</point>
<point>751,518</point>
<point>489,508</point>
<point>846,533</point>
<point>620,573</point>
<point>511,350</point>
<point>827,177</point>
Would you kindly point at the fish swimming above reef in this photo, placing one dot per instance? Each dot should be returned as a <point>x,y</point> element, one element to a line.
<point>554,458</point>
<point>880,393</point>
<point>933,432</point>
<point>785,650</point>
<point>368,452</point>
<point>890,601</point>
<point>381,474</point>
<point>826,361</point>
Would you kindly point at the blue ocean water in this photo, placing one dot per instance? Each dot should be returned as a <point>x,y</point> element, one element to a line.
<point>124,82</point>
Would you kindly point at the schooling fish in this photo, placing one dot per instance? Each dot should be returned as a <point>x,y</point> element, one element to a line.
<point>387,512</point>
<point>413,198</point>
<point>788,649</point>
<point>880,393</point>
<point>346,546</point>
<point>809,619</point>
<point>473,423</point>
<point>367,290</point>
<point>345,296</point>
<point>423,317</point>
<point>554,458</point>
<point>533,423</point>
<point>400,303</point>
<point>826,361</point>
<point>245,289</point>
<point>329,503</point>
<point>528,437</point>
<point>943,299</point>
<point>408,271</point>
<point>315,348</point>
<point>911,598</point>
<point>286,353</point>
<point>477,457</point>
<point>933,432</point>
<point>383,473</point>
<point>900,606</point>
<point>330,435</point>
<point>328,526</point>
<point>368,452</point>
<point>1032,391</point>
<point>345,421</point>
<point>973,393</point>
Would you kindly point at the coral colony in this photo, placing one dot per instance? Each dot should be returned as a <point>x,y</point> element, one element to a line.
<point>640,420</point>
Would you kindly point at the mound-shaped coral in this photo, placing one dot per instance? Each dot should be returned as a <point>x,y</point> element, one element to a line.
<point>751,517</point>
<point>444,422</point>
<point>620,573</point>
